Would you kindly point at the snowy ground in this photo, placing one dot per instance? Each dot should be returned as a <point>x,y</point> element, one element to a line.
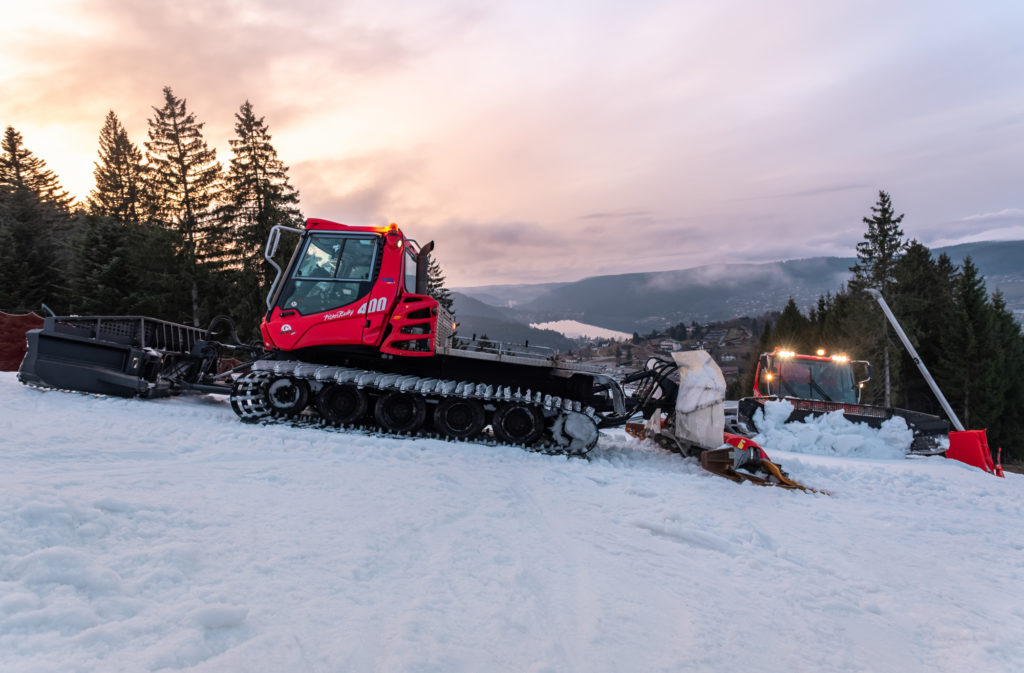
<point>166,535</point>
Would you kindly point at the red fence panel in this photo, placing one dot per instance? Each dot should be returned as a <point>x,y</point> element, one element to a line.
<point>12,338</point>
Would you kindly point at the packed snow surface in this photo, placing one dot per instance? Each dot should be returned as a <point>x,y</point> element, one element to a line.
<point>166,535</point>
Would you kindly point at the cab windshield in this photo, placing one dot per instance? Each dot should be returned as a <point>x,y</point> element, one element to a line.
<point>816,380</point>
<point>332,271</point>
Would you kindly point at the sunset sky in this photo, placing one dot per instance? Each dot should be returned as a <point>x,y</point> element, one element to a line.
<point>542,141</point>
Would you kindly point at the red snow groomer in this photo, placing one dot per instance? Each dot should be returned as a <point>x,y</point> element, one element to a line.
<point>351,337</point>
<point>820,384</point>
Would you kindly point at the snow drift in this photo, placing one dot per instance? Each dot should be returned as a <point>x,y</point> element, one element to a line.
<point>830,434</point>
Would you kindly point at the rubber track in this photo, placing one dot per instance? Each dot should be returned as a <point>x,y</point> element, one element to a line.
<point>249,402</point>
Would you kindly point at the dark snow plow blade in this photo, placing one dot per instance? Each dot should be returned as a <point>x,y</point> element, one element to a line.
<point>126,356</point>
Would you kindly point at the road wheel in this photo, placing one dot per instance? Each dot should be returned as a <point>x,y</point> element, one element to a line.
<point>342,404</point>
<point>287,397</point>
<point>400,412</point>
<point>518,423</point>
<point>458,418</point>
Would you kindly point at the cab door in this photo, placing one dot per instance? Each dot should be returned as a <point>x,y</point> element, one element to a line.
<point>382,298</point>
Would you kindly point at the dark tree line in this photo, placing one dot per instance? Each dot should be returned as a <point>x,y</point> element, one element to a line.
<point>967,337</point>
<point>166,232</point>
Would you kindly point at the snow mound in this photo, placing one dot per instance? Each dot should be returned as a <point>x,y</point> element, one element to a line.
<point>830,435</point>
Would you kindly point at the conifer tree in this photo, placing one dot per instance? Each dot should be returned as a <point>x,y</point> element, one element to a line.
<point>923,302</point>
<point>881,248</point>
<point>436,286</point>
<point>20,170</point>
<point>102,273</point>
<point>152,254</point>
<point>119,191</point>
<point>877,256</point>
<point>185,181</point>
<point>792,330</point>
<point>972,333</point>
<point>35,221</point>
<point>1007,430</point>
<point>257,196</point>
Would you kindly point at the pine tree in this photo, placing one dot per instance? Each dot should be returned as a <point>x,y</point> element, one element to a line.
<point>484,344</point>
<point>35,223</point>
<point>185,181</point>
<point>257,197</point>
<point>257,193</point>
<point>877,256</point>
<point>881,248</point>
<point>792,330</point>
<point>20,170</point>
<point>102,274</point>
<point>119,174</point>
<point>436,286</point>
<point>923,303</point>
<point>1007,430</point>
<point>973,395</point>
<point>154,256</point>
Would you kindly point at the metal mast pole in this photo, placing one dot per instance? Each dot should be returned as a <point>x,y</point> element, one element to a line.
<point>916,358</point>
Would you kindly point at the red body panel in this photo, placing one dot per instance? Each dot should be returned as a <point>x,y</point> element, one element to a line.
<point>376,319</point>
<point>744,443</point>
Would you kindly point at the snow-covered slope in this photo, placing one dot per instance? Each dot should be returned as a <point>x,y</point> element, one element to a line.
<point>151,535</point>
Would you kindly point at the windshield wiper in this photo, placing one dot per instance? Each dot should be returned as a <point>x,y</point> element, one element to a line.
<point>820,390</point>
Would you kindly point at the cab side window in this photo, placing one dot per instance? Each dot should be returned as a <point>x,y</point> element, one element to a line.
<point>410,271</point>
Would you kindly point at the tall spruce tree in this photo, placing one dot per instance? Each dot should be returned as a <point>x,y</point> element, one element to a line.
<point>102,273</point>
<point>119,174</point>
<point>792,330</point>
<point>257,196</point>
<point>21,170</point>
<point>436,286</point>
<point>972,332</point>
<point>35,224</point>
<point>923,302</point>
<point>1009,386</point>
<point>877,256</point>
<point>185,179</point>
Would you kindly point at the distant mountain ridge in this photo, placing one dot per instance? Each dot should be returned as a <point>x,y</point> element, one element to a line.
<point>646,301</point>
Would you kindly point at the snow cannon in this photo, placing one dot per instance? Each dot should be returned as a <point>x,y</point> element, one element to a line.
<point>695,427</point>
